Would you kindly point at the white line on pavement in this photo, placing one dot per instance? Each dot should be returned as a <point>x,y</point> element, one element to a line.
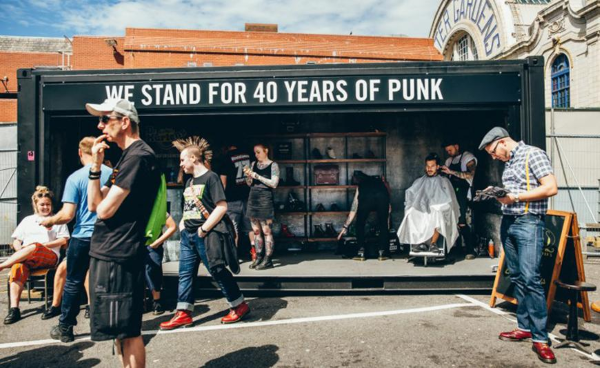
<point>262,324</point>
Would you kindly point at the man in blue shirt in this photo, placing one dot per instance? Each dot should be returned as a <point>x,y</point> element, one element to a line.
<point>78,258</point>
<point>530,181</point>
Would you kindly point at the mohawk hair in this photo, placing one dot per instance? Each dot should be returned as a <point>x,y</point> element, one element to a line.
<point>198,146</point>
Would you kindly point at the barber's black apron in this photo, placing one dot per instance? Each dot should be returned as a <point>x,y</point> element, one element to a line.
<point>461,189</point>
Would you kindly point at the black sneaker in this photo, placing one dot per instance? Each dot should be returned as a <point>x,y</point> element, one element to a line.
<point>14,315</point>
<point>62,333</point>
<point>51,312</point>
<point>157,308</point>
<point>86,314</point>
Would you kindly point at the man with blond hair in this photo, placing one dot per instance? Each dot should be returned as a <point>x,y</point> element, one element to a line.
<point>78,259</point>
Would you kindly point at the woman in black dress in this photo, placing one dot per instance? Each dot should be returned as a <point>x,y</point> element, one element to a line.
<point>262,178</point>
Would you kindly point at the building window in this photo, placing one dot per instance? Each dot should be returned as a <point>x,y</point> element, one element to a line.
<point>464,49</point>
<point>561,91</point>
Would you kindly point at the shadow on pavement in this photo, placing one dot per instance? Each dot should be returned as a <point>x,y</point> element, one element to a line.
<point>256,357</point>
<point>52,356</point>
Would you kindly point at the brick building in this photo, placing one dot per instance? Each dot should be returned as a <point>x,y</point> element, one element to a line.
<point>162,48</point>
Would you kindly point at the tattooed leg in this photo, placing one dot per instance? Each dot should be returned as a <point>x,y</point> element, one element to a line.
<point>269,242</point>
<point>258,239</point>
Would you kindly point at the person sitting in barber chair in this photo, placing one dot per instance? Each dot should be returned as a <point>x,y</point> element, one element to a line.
<point>431,210</point>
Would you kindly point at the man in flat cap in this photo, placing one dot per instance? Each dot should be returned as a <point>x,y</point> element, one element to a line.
<point>123,205</point>
<point>529,179</point>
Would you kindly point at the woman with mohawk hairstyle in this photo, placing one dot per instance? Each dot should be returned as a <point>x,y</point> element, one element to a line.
<point>204,207</point>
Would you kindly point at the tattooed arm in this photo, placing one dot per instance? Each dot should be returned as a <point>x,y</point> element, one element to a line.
<point>274,181</point>
<point>467,175</point>
<point>351,216</point>
<point>248,171</point>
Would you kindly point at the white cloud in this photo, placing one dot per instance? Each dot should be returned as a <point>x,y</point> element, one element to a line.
<point>362,17</point>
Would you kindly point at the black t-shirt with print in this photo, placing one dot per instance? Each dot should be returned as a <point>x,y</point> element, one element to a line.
<point>121,237</point>
<point>209,189</point>
<point>232,166</point>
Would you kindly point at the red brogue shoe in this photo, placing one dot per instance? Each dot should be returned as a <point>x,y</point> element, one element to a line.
<point>515,335</point>
<point>236,314</point>
<point>544,352</point>
<point>182,318</point>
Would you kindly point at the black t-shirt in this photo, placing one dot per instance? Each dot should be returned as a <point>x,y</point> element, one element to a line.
<point>209,189</point>
<point>121,237</point>
<point>371,186</point>
<point>232,166</point>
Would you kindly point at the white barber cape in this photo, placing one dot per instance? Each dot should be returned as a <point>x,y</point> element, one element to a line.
<point>430,204</point>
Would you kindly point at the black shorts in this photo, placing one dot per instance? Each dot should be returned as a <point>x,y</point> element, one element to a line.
<point>117,299</point>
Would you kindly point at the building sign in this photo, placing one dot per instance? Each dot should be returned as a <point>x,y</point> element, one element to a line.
<point>472,15</point>
<point>308,91</point>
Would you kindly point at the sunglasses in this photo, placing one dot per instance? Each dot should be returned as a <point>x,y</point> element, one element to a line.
<point>493,152</point>
<point>106,118</point>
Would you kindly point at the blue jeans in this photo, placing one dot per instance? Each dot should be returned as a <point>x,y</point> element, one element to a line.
<point>154,273</point>
<point>78,263</point>
<point>192,252</point>
<point>523,240</point>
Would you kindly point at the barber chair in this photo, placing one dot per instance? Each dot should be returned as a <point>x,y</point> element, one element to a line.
<point>428,252</point>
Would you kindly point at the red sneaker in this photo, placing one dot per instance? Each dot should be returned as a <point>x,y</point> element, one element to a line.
<point>544,352</point>
<point>182,318</point>
<point>236,314</point>
<point>515,335</point>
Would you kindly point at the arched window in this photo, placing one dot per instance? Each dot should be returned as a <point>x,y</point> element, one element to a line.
<point>561,92</point>
<point>464,49</point>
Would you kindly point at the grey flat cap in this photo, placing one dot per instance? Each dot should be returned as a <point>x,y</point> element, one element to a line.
<point>493,135</point>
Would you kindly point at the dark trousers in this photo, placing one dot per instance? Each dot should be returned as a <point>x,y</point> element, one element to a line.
<point>78,263</point>
<point>380,203</point>
<point>154,273</point>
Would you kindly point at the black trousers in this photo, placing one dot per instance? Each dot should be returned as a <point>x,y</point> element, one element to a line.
<point>380,203</point>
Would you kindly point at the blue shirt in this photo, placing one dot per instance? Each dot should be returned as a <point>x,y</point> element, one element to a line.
<point>76,193</point>
<point>514,178</point>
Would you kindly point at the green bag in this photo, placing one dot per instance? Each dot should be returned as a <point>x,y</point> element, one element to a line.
<point>158,217</point>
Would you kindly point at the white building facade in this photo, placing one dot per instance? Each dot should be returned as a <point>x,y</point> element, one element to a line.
<point>567,34</point>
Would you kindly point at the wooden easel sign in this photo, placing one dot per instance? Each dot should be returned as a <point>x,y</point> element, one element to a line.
<point>562,247</point>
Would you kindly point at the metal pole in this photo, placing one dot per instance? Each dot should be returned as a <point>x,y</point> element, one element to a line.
<point>576,181</point>
<point>552,132</point>
<point>562,166</point>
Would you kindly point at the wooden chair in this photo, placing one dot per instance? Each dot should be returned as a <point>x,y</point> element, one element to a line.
<point>44,276</point>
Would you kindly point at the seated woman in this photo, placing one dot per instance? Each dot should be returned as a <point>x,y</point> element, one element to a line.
<point>36,247</point>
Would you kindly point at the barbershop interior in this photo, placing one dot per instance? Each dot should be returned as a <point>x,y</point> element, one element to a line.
<point>318,155</point>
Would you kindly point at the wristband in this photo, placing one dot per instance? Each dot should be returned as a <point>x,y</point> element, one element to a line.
<point>95,172</point>
<point>201,229</point>
<point>94,177</point>
<point>345,226</point>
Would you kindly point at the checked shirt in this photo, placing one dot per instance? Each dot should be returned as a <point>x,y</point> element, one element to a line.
<point>514,178</point>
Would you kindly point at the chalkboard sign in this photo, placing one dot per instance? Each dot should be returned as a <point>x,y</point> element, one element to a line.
<point>561,247</point>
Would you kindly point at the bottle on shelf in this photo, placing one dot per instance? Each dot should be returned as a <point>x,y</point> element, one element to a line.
<point>491,249</point>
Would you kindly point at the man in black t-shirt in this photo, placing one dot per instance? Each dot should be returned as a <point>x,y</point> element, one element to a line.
<point>231,171</point>
<point>123,205</point>
<point>203,210</point>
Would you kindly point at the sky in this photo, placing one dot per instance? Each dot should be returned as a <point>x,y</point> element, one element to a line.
<point>55,18</point>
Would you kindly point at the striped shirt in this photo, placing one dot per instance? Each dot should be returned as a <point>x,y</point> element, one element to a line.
<point>514,178</point>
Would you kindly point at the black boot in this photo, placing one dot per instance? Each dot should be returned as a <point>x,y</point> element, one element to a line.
<point>63,333</point>
<point>319,232</point>
<point>51,312</point>
<point>256,262</point>
<point>330,231</point>
<point>266,263</point>
<point>316,154</point>
<point>360,256</point>
<point>289,177</point>
<point>14,314</point>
